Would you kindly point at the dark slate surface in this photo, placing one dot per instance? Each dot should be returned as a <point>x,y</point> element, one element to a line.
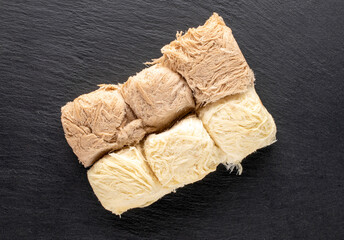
<point>53,51</point>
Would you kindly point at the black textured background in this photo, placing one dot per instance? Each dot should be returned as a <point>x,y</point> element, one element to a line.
<point>53,51</point>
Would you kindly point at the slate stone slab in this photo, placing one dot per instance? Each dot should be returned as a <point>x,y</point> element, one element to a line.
<point>53,51</point>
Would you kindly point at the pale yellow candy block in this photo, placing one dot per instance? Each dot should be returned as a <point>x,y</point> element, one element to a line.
<point>183,154</point>
<point>123,180</point>
<point>239,125</point>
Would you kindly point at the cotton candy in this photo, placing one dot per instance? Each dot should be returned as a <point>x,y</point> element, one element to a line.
<point>183,154</point>
<point>158,96</point>
<point>210,60</point>
<point>99,122</point>
<point>239,125</point>
<point>123,180</point>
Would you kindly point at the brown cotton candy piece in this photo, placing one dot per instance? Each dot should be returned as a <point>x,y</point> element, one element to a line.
<point>99,122</point>
<point>158,96</point>
<point>210,60</point>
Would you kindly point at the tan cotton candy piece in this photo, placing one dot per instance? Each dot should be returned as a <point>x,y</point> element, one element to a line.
<point>210,60</point>
<point>239,125</point>
<point>183,154</point>
<point>123,180</point>
<point>99,122</point>
<point>158,96</point>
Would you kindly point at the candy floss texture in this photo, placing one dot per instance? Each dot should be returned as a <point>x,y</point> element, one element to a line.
<point>123,180</point>
<point>203,72</point>
<point>183,154</point>
<point>99,122</point>
<point>239,125</point>
<point>158,96</point>
<point>210,60</point>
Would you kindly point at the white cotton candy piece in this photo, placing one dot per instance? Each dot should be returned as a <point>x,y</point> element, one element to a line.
<point>123,180</point>
<point>239,125</point>
<point>183,154</point>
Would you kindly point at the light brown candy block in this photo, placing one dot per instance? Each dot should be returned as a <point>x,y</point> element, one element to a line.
<point>99,122</point>
<point>158,96</point>
<point>210,60</point>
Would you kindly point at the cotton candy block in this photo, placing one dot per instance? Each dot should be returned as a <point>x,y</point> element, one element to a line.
<point>210,60</point>
<point>183,154</point>
<point>158,96</point>
<point>239,125</point>
<point>99,122</point>
<point>123,180</point>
